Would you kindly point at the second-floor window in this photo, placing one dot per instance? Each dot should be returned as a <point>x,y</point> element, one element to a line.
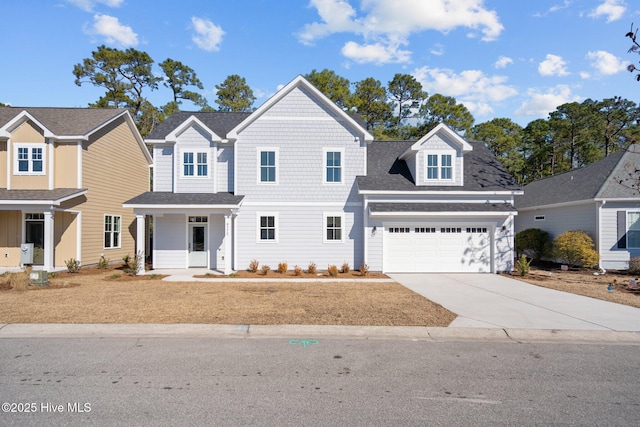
<point>439,167</point>
<point>268,166</point>
<point>333,160</point>
<point>29,159</point>
<point>195,164</point>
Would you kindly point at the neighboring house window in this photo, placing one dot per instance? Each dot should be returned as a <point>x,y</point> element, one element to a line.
<point>268,166</point>
<point>195,164</point>
<point>112,231</point>
<point>333,160</point>
<point>333,228</point>
<point>633,230</point>
<point>539,218</point>
<point>29,159</point>
<point>439,167</point>
<point>267,228</point>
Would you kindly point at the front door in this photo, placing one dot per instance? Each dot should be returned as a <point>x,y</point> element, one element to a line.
<point>34,233</point>
<point>197,245</point>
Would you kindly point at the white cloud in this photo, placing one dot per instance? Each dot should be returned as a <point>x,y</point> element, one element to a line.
<point>88,5</point>
<point>113,31</point>
<point>377,53</point>
<point>503,61</point>
<point>553,65</point>
<point>385,25</point>
<point>208,35</point>
<point>473,88</point>
<point>437,50</point>
<point>606,63</point>
<point>612,9</point>
<point>540,104</point>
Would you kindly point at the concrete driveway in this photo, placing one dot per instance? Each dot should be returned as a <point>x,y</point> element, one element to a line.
<point>493,301</point>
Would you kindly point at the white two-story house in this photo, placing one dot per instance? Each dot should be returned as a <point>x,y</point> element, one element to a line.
<point>299,181</point>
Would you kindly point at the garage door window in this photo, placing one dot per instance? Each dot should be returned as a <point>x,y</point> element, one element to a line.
<point>476,229</point>
<point>450,230</point>
<point>399,229</point>
<point>425,230</point>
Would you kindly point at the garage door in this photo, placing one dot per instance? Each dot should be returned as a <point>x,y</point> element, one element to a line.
<point>428,248</point>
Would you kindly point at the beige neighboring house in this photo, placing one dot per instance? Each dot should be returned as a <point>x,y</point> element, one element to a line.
<point>64,173</point>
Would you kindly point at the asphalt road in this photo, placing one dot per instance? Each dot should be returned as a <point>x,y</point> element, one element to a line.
<point>275,381</point>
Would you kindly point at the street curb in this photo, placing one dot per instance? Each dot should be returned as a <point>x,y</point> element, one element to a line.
<point>404,333</point>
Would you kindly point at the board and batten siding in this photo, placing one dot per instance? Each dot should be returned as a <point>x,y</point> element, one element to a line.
<point>114,169</point>
<point>170,241</point>
<point>613,257</point>
<point>300,237</point>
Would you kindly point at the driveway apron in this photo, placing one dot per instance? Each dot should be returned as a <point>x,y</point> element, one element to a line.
<point>493,301</point>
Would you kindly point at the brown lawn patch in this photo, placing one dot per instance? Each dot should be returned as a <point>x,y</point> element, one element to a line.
<point>584,282</point>
<point>95,296</point>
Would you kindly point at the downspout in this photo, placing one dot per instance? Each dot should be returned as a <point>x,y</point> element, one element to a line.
<point>599,213</point>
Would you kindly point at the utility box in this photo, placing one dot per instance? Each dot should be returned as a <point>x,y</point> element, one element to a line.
<point>26,253</point>
<point>39,278</point>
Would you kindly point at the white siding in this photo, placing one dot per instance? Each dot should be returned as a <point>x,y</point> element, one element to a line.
<point>300,235</point>
<point>438,145</point>
<point>225,169</point>
<point>612,257</point>
<point>558,220</point>
<point>195,139</point>
<point>169,241</point>
<point>163,168</point>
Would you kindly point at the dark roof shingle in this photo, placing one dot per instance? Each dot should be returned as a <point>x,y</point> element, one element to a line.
<point>182,199</point>
<point>64,121</point>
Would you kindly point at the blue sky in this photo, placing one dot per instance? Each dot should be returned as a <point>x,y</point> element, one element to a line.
<point>501,58</point>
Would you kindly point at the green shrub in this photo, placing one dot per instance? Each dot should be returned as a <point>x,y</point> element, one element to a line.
<point>634,265</point>
<point>73,265</point>
<point>522,265</point>
<point>575,248</point>
<point>332,270</point>
<point>312,269</point>
<point>253,265</point>
<point>103,262</point>
<point>283,267</point>
<point>132,264</point>
<point>533,242</point>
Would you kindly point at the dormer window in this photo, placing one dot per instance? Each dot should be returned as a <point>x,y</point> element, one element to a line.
<point>439,167</point>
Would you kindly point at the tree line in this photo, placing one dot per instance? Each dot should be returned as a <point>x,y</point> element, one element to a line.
<point>573,136</point>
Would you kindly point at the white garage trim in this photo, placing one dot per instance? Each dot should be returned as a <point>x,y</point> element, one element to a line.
<point>443,246</point>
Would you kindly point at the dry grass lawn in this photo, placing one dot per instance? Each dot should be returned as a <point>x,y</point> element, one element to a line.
<point>584,282</point>
<point>97,296</point>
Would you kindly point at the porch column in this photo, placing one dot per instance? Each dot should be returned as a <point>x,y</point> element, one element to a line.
<point>140,242</point>
<point>48,241</point>
<point>228,256</point>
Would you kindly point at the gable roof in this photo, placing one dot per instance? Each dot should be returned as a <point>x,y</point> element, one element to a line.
<point>441,129</point>
<point>387,172</point>
<point>218,122</point>
<point>598,180</point>
<point>300,81</point>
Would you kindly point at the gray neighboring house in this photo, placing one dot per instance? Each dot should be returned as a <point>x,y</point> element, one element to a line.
<point>602,199</point>
<point>299,181</point>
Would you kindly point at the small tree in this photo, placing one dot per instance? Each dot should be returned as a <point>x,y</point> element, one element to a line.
<point>533,242</point>
<point>575,248</point>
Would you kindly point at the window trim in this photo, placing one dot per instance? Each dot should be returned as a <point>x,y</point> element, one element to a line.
<point>325,228</point>
<point>259,151</point>
<point>630,230</point>
<point>539,218</point>
<point>112,232</point>
<point>30,146</point>
<point>276,225</point>
<point>439,167</point>
<point>195,164</point>
<point>325,152</point>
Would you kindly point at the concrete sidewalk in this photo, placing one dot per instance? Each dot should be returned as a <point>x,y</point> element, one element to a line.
<point>311,333</point>
<point>493,301</point>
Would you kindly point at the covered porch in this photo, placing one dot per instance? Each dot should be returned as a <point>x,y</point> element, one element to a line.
<point>188,230</point>
<point>44,218</point>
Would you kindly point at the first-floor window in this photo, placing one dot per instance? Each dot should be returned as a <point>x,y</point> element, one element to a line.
<point>112,231</point>
<point>333,228</point>
<point>633,230</point>
<point>268,228</point>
